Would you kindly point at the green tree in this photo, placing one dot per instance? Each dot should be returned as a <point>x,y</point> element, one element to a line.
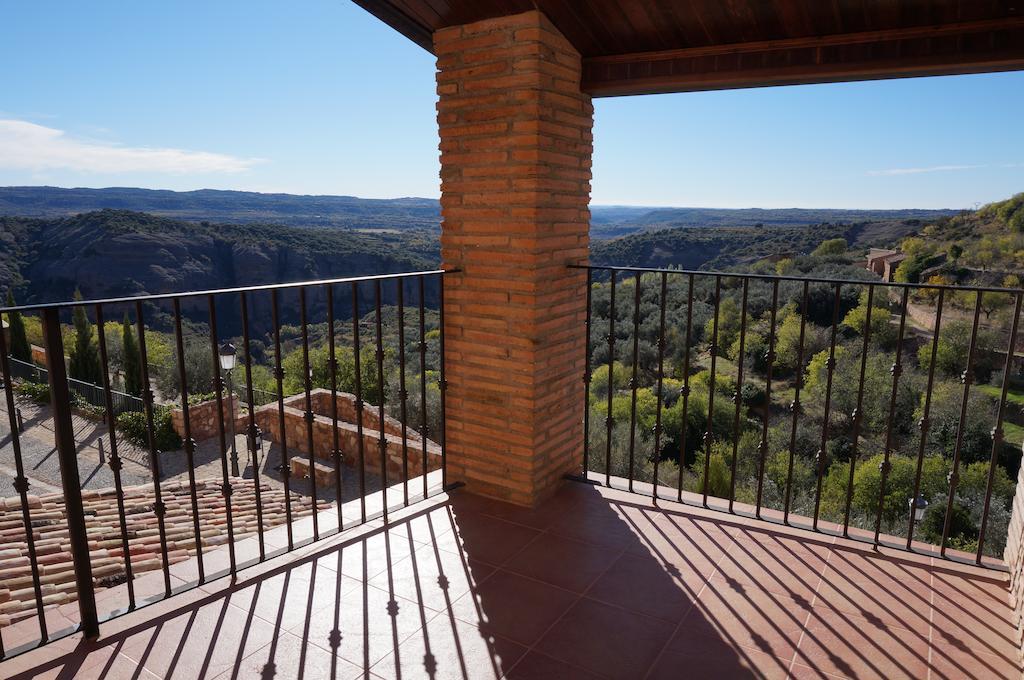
<point>882,332</point>
<point>130,365</point>
<point>728,325</point>
<point>319,365</point>
<point>830,248</point>
<point>18,347</point>
<point>951,354</point>
<point>85,359</point>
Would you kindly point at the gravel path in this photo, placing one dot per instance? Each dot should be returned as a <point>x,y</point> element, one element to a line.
<point>39,455</point>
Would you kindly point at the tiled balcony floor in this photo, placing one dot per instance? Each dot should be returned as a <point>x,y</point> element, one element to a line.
<point>594,584</point>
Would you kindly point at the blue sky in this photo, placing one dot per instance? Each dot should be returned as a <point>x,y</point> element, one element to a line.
<point>320,97</point>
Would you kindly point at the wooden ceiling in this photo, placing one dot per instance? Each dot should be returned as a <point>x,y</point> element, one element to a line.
<point>639,47</point>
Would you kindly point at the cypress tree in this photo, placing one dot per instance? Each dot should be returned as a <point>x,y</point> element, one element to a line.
<point>85,357</point>
<point>18,345</point>
<point>130,350</point>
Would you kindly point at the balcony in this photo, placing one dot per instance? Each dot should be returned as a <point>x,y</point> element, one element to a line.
<point>341,550</point>
<point>521,465</point>
<point>595,583</point>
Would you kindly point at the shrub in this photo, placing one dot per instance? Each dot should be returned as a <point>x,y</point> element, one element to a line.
<point>132,425</point>
<point>36,392</point>
<point>961,524</point>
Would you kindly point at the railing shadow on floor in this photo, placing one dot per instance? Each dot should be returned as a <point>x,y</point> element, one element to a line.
<point>584,586</point>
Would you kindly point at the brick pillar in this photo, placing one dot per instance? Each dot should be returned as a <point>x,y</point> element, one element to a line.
<point>516,145</point>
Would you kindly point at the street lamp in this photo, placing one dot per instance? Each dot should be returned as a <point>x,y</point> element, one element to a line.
<point>228,355</point>
<point>918,507</point>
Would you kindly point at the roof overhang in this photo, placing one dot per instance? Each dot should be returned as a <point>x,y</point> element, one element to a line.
<point>638,47</point>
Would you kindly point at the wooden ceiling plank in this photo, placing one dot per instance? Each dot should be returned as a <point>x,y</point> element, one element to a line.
<point>823,41</point>
<point>946,54</point>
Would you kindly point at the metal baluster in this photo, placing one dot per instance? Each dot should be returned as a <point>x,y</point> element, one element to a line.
<point>997,431</point>
<point>967,378</point>
<point>686,389</point>
<point>114,460</point>
<point>634,379</point>
<point>253,430</point>
<point>286,468</point>
<point>925,422</point>
<point>769,357</point>
<point>708,433</point>
<point>443,384</point>
<point>22,485</point>
<point>586,379</point>
<point>309,416</point>
<point>830,371</point>
<point>608,420</point>
<point>738,395</point>
<point>402,397</point>
<point>336,453</point>
<point>188,443</point>
<point>159,509</point>
<point>381,416</point>
<point>359,400</point>
<point>661,377</point>
<point>795,405</point>
<point>218,390</point>
<point>896,370</point>
<point>858,412</point>
<point>424,430</point>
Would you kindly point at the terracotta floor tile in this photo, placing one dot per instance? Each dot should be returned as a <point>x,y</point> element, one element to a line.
<point>887,602</point>
<point>606,640</point>
<point>710,658</point>
<point>367,557</point>
<point>435,577</point>
<point>365,625</point>
<point>287,656</point>
<point>449,649</point>
<point>843,644</point>
<point>643,585</point>
<point>746,617</point>
<point>487,539</point>
<point>601,525</point>
<point>970,632</point>
<point>199,642</point>
<point>537,666</point>
<point>689,545</point>
<point>513,606</point>
<point>951,663</point>
<point>563,562</point>
<point>794,573</point>
<point>287,599</point>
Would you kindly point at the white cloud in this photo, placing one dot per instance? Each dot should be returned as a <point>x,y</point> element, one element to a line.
<point>27,146</point>
<point>917,171</point>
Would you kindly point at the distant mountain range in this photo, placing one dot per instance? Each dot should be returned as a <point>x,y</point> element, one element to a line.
<point>401,214</point>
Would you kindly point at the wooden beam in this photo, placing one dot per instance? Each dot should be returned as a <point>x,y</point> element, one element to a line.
<point>974,47</point>
<point>838,39</point>
<point>411,28</point>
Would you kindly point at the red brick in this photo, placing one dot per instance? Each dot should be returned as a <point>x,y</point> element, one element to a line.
<point>516,143</point>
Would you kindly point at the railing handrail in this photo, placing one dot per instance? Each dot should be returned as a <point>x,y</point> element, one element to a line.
<point>70,304</point>
<point>798,279</point>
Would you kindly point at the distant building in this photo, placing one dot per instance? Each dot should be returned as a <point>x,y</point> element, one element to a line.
<point>884,262</point>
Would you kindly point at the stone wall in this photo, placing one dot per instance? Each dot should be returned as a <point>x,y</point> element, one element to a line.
<point>269,421</point>
<point>203,418</point>
<point>1014,556</point>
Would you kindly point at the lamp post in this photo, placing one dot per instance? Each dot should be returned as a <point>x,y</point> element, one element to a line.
<point>228,354</point>
<point>918,505</point>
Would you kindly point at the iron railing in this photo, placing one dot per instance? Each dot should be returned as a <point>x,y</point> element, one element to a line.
<point>360,295</point>
<point>811,451</point>
<point>90,393</point>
